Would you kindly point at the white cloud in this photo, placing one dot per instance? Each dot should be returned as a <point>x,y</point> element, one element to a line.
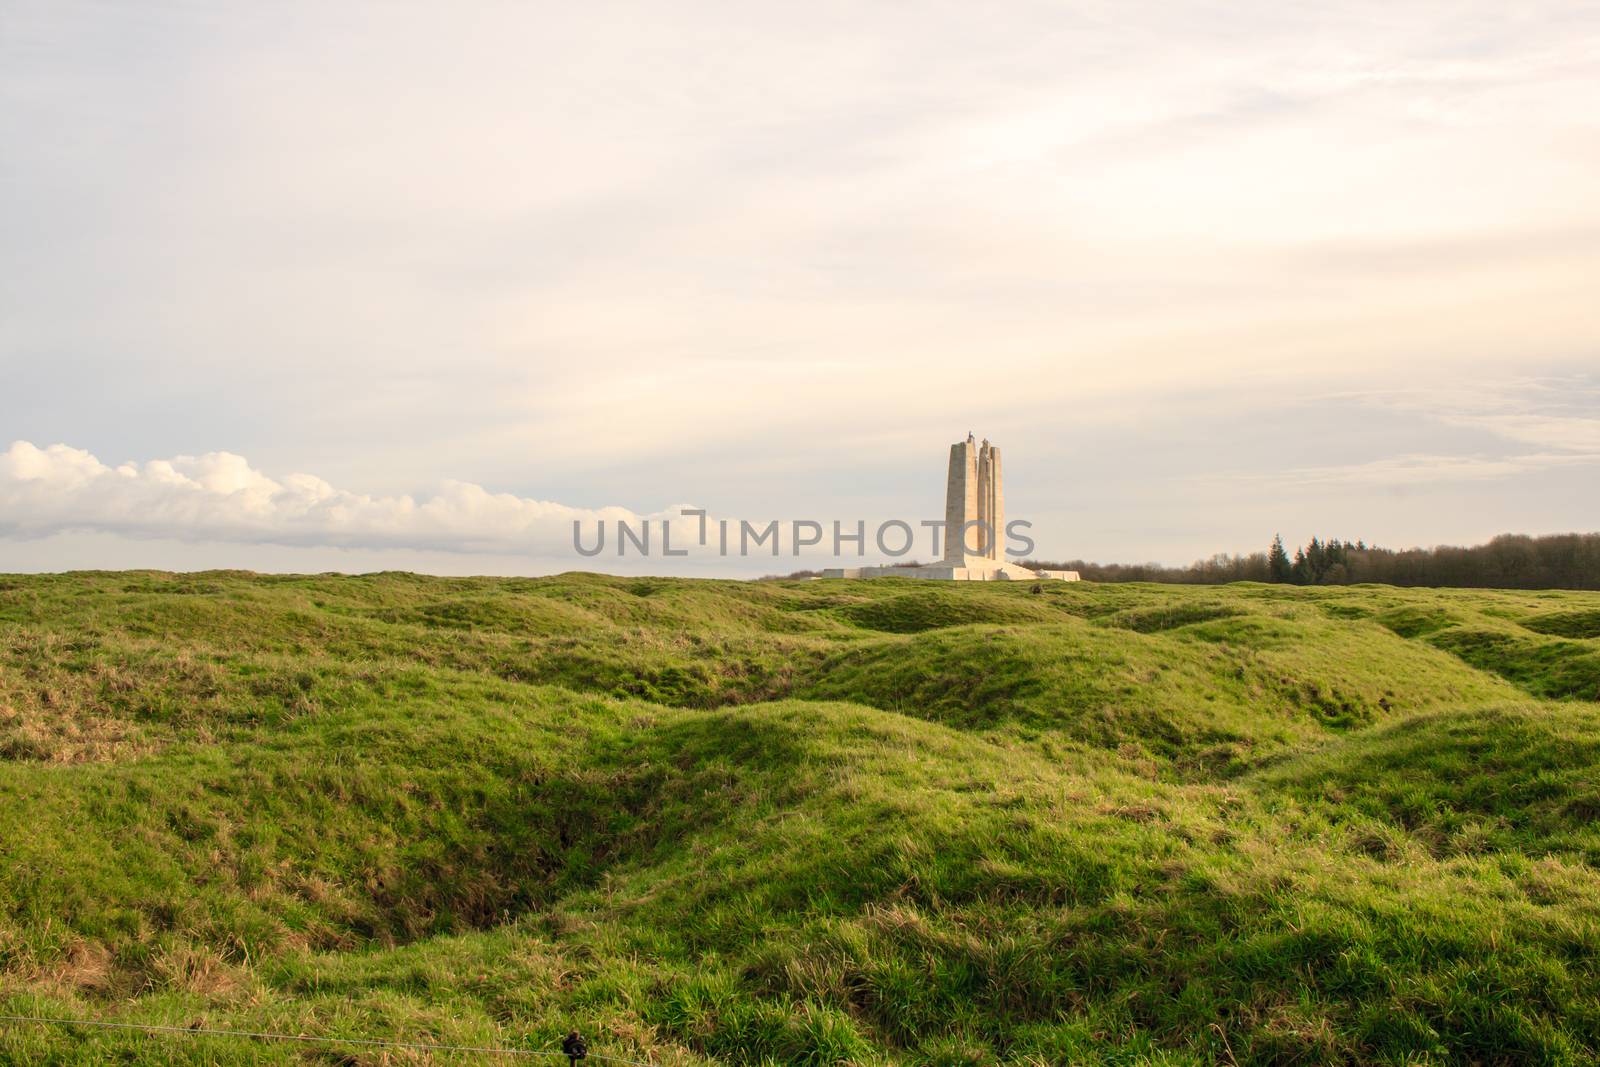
<point>1414,470</point>
<point>220,497</point>
<point>1548,415</point>
<point>1558,415</point>
<point>1569,434</point>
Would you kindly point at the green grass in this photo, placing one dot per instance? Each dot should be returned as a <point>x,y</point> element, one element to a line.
<point>799,822</point>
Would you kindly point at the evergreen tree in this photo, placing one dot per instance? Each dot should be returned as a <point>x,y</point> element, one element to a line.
<point>1300,573</point>
<point>1278,561</point>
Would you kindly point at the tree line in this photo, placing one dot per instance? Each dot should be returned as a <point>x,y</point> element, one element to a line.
<point>1510,561</point>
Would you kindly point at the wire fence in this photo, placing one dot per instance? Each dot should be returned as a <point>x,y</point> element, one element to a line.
<point>265,1035</point>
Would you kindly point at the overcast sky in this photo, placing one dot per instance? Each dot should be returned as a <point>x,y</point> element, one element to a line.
<point>347,286</point>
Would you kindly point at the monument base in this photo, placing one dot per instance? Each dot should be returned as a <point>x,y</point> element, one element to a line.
<point>970,569</point>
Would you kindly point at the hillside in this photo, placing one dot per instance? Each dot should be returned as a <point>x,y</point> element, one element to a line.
<point>799,822</point>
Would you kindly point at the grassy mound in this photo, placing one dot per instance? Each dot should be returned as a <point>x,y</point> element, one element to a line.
<point>934,606</point>
<point>1523,778</point>
<point>825,822</point>
<point>1580,624</point>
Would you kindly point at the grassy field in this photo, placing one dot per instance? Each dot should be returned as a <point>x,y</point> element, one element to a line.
<point>799,822</point>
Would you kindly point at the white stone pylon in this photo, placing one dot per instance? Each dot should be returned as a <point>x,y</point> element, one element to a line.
<point>991,521</point>
<point>997,507</point>
<point>978,544</point>
<point>960,500</point>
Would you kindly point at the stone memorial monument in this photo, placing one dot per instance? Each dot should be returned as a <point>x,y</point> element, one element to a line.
<point>974,526</point>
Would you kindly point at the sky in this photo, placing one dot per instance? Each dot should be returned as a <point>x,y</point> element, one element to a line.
<point>348,286</point>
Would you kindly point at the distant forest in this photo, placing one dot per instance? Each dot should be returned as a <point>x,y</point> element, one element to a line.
<point>1510,561</point>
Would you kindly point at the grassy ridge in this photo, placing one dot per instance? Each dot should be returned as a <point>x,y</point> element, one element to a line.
<point>809,822</point>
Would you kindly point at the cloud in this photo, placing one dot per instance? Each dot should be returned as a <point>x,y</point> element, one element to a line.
<point>220,497</point>
<point>1558,415</point>
<point>1558,418</point>
<point>1411,470</point>
<point>1564,433</point>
